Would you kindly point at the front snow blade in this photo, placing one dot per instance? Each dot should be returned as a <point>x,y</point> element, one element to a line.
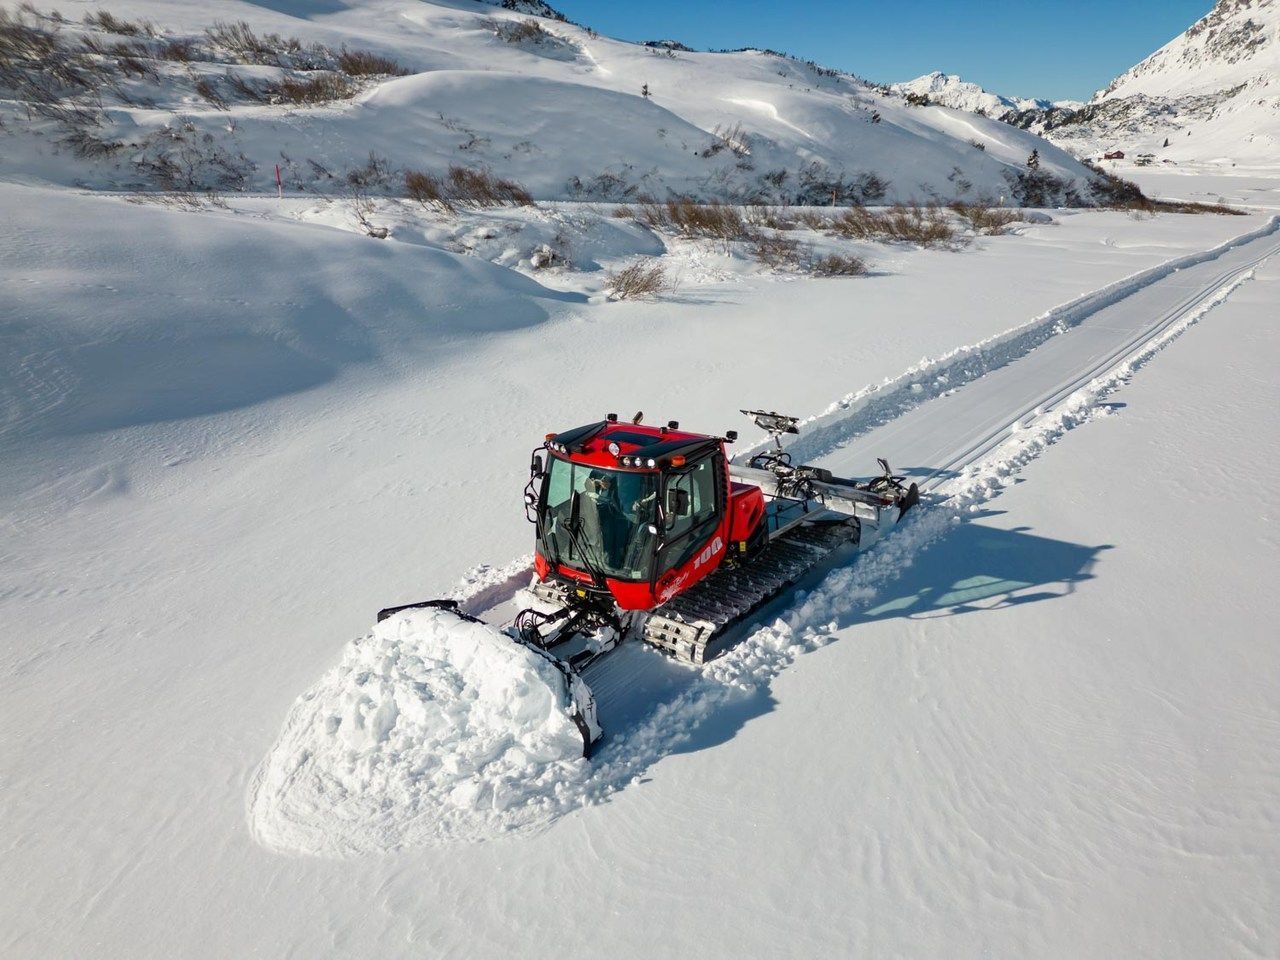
<point>450,605</point>
<point>574,692</point>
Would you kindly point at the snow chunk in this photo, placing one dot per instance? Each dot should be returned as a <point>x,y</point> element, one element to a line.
<point>432,728</point>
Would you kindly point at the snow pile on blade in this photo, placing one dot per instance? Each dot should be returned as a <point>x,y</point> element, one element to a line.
<point>432,728</point>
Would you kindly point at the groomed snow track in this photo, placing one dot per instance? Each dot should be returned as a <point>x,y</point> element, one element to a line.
<point>938,423</point>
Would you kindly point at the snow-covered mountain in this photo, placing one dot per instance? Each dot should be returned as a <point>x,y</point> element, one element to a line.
<point>949,90</point>
<point>168,95</point>
<point>1211,95</point>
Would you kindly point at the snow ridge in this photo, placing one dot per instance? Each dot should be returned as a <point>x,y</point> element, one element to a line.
<point>949,90</point>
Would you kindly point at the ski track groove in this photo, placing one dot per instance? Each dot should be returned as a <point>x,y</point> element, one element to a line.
<point>1224,282</point>
<point>811,621</point>
<point>871,407</point>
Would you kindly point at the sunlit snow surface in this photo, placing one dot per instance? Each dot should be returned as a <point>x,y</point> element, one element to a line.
<point>436,729</point>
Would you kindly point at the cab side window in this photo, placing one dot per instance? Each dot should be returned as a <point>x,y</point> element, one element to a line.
<point>696,490</point>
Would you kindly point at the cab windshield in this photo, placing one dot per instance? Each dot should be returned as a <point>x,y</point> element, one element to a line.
<point>614,509</point>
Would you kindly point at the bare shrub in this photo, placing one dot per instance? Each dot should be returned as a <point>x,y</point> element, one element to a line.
<point>365,63</point>
<point>732,138</point>
<point>813,220</point>
<point>427,190</point>
<point>376,172</point>
<point>247,89</point>
<point>984,218</point>
<point>775,218</point>
<point>521,31</point>
<point>1035,187</point>
<point>716,220</point>
<point>774,249</point>
<point>1186,206</point>
<point>178,49</point>
<point>134,67</point>
<point>857,223</point>
<point>926,226</point>
<point>109,23</point>
<point>205,88</point>
<point>1111,191</point>
<point>23,42</point>
<point>322,88</point>
<point>87,145</point>
<point>637,282</point>
<point>55,80</point>
<point>624,213</point>
<point>839,265</point>
<point>181,158</point>
<point>478,188</point>
<point>978,145</point>
<point>239,39</point>
<point>819,185</point>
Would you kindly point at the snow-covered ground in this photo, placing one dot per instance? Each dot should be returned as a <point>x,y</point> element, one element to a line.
<point>1038,720</point>
<point>189,550</point>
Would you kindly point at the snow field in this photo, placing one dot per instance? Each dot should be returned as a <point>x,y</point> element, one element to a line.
<point>492,805</point>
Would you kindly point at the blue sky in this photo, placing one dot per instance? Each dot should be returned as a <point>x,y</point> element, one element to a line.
<point>1024,48</point>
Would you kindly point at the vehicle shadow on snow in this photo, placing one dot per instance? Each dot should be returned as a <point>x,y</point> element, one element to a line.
<point>975,568</point>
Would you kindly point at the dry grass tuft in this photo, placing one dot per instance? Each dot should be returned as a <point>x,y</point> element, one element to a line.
<point>839,265</point>
<point>715,220</point>
<point>774,249</point>
<point>427,190</point>
<point>322,88</point>
<point>109,23</point>
<point>521,31</point>
<point>205,88</point>
<point>240,40</point>
<point>639,281</point>
<point>926,226</point>
<point>365,63</point>
<point>478,188</point>
<point>815,221</point>
<point>464,187</point>
<point>179,50</point>
<point>775,218</point>
<point>984,218</point>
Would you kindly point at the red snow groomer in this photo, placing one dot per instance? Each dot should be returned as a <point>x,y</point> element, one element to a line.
<point>654,532</point>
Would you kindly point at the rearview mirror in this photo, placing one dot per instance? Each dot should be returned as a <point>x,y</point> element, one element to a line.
<point>677,502</point>
<point>535,465</point>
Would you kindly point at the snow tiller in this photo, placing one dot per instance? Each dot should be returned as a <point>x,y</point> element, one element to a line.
<point>655,533</point>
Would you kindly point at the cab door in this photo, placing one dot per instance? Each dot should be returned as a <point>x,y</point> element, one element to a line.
<point>693,511</point>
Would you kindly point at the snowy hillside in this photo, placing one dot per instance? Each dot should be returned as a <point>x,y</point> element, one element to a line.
<point>198,96</point>
<point>1210,96</point>
<point>949,90</point>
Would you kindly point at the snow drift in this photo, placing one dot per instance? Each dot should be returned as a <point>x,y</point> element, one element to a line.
<point>431,728</point>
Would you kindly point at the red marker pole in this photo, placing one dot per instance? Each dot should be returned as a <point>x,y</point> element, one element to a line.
<point>279,184</point>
